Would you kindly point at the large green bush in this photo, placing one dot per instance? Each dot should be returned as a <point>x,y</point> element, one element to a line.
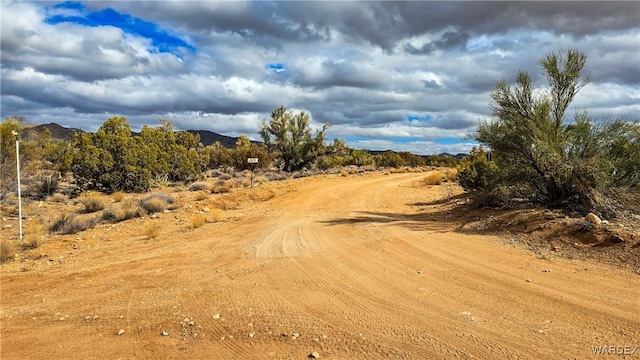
<point>113,160</point>
<point>549,158</point>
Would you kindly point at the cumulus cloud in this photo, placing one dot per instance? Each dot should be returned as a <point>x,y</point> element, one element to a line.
<point>412,76</point>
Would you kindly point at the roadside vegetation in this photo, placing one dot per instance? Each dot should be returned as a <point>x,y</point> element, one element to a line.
<point>533,152</point>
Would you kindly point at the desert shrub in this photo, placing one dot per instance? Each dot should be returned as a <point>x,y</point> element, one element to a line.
<point>197,220</point>
<point>276,176</point>
<point>389,159</point>
<point>92,201</point>
<point>216,215</point>
<point>220,189</point>
<point>451,174</point>
<point>7,249</point>
<point>44,185</point>
<point>260,179</point>
<point>288,140</point>
<point>157,202</point>
<point>200,195</point>
<point>125,210</point>
<point>58,198</point>
<point>434,178</point>
<point>199,186</point>
<point>111,159</point>
<point>73,223</point>
<point>477,172</point>
<point>160,181</point>
<point>152,231</point>
<point>118,196</point>
<point>28,152</point>
<point>34,231</point>
<point>552,160</point>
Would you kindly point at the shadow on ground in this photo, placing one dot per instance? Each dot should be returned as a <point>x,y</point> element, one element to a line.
<point>538,229</point>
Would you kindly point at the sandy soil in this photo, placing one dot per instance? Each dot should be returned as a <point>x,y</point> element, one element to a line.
<point>357,267</point>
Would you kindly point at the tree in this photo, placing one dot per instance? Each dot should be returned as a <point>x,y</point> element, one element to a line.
<point>8,174</point>
<point>547,158</point>
<point>288,139</point>
<point>245,149</point>
<point>110,160</point>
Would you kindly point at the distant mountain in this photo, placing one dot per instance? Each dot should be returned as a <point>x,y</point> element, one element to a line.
<point>457,156</point>
<point>209,138</point>
<point>58,133</point>
<point>61,133</point>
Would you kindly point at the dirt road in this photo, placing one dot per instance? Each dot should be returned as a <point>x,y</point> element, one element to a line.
<point>348,268</point>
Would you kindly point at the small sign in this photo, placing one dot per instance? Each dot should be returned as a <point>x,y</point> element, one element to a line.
<point>252,160</point>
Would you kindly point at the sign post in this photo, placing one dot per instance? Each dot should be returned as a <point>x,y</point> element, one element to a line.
<point>15,133</point>
<point>252,161</point>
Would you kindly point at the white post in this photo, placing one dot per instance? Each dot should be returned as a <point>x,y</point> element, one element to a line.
<point>18,172</point>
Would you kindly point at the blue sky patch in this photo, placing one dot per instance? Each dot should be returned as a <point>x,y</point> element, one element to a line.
<point>161,39</point>
<point>419,118</point>
<point>276,67</point>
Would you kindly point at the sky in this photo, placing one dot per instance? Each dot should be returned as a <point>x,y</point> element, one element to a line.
<point>405,76</point>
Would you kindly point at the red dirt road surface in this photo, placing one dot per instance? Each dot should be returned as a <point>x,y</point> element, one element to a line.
<point>355,267</point>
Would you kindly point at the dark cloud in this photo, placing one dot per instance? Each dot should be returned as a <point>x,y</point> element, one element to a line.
<point>449,40</point>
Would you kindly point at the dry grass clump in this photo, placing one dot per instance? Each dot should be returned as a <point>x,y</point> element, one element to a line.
<point>125,210</point>
<point>92,201</point>
<point>216,215</point>
<point>201,195</point>
<point>451,174</point>
<point>197,220</point>
<point>7,249</point>
<point>225,176</point>
<point>434,178</point>
<point>33,234</point>
<point>231,183</point>
<point>199,186</point>
<point>73,223</point>
<point>118,196</point>
<point>152,231</point>
<point>276,176</point>
<point>260,179</point>
<point>220,189</point>
<point>156,202</point>
<point>58,198</point>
